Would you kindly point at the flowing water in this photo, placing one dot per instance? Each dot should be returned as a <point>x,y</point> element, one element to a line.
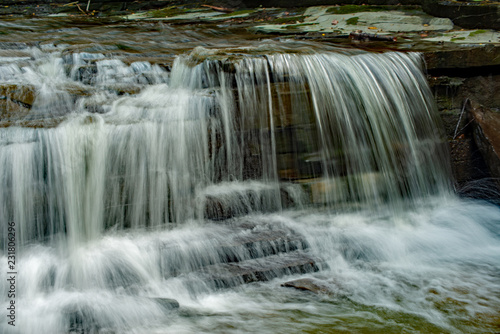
<point>182,172</point>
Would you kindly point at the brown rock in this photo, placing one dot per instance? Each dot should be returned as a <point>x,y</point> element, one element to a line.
<point>15,101</point>
<point>309,284</point>
<point>487,136</point>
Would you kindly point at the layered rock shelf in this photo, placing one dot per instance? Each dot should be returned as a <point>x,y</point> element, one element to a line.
<point>460,43</point>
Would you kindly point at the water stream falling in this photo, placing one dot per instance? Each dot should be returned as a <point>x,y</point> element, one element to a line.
<point>130,182</point>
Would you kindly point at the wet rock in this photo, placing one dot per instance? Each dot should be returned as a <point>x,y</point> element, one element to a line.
<point>263,269</point>
<point>241,201</point>
<point>244,239</point>
<point>81,320</point>
<point>17,45</point>
<point>466,14</point>
<point>86,74</point>
<point>308,284</point>
<point>465,57</point>
<point>487,136</point>
<point>264,243</point>
<point>15,101</point>
<point>167,303</point>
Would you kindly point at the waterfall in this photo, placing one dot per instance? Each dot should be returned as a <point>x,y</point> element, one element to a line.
<point>349,128</point>
<point>131,182</point>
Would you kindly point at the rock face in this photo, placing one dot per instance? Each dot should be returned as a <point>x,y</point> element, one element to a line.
<point>459,78</point>
<point>487,136</point>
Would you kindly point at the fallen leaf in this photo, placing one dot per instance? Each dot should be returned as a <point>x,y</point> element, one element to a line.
<point>372,28</point>
<point>426,25</point>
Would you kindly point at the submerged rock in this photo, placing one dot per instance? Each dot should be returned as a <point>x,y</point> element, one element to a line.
<point>225,275</point>
<point>487,137</point>
<point>81,319</point>
<point>167,303</point>
<point>309,284</point>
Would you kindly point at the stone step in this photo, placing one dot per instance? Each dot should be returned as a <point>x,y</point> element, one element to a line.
<point>227,275</point>
<point>265,243</point>
<point>242,240</point>
<point>221,202</point>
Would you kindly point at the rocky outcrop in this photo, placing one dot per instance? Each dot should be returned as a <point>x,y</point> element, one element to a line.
<point>459,77</point>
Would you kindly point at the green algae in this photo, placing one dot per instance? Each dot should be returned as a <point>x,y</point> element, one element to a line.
<point>477,32</point>
<point>168,12</point>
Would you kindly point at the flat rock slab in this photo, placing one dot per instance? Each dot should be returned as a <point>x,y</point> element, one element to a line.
<point>478,36</point>
<point>308,284</point>
<point>264,269</point>
<point>318,19</point>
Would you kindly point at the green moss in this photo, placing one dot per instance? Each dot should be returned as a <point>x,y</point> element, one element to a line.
<point>457,39</point>
<point>168,12</point>
<point>477,32</point>
<point>352,21</point>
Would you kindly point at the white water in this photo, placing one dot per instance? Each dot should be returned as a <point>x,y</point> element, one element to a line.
<point>110,204</point>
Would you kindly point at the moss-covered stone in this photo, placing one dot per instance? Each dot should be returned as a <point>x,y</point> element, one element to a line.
<point>353,20</point>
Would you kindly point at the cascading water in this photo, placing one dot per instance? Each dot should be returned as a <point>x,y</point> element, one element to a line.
<point>129,184</point>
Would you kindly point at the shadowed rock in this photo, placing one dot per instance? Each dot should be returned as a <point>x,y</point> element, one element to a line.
<point>487,137</point>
